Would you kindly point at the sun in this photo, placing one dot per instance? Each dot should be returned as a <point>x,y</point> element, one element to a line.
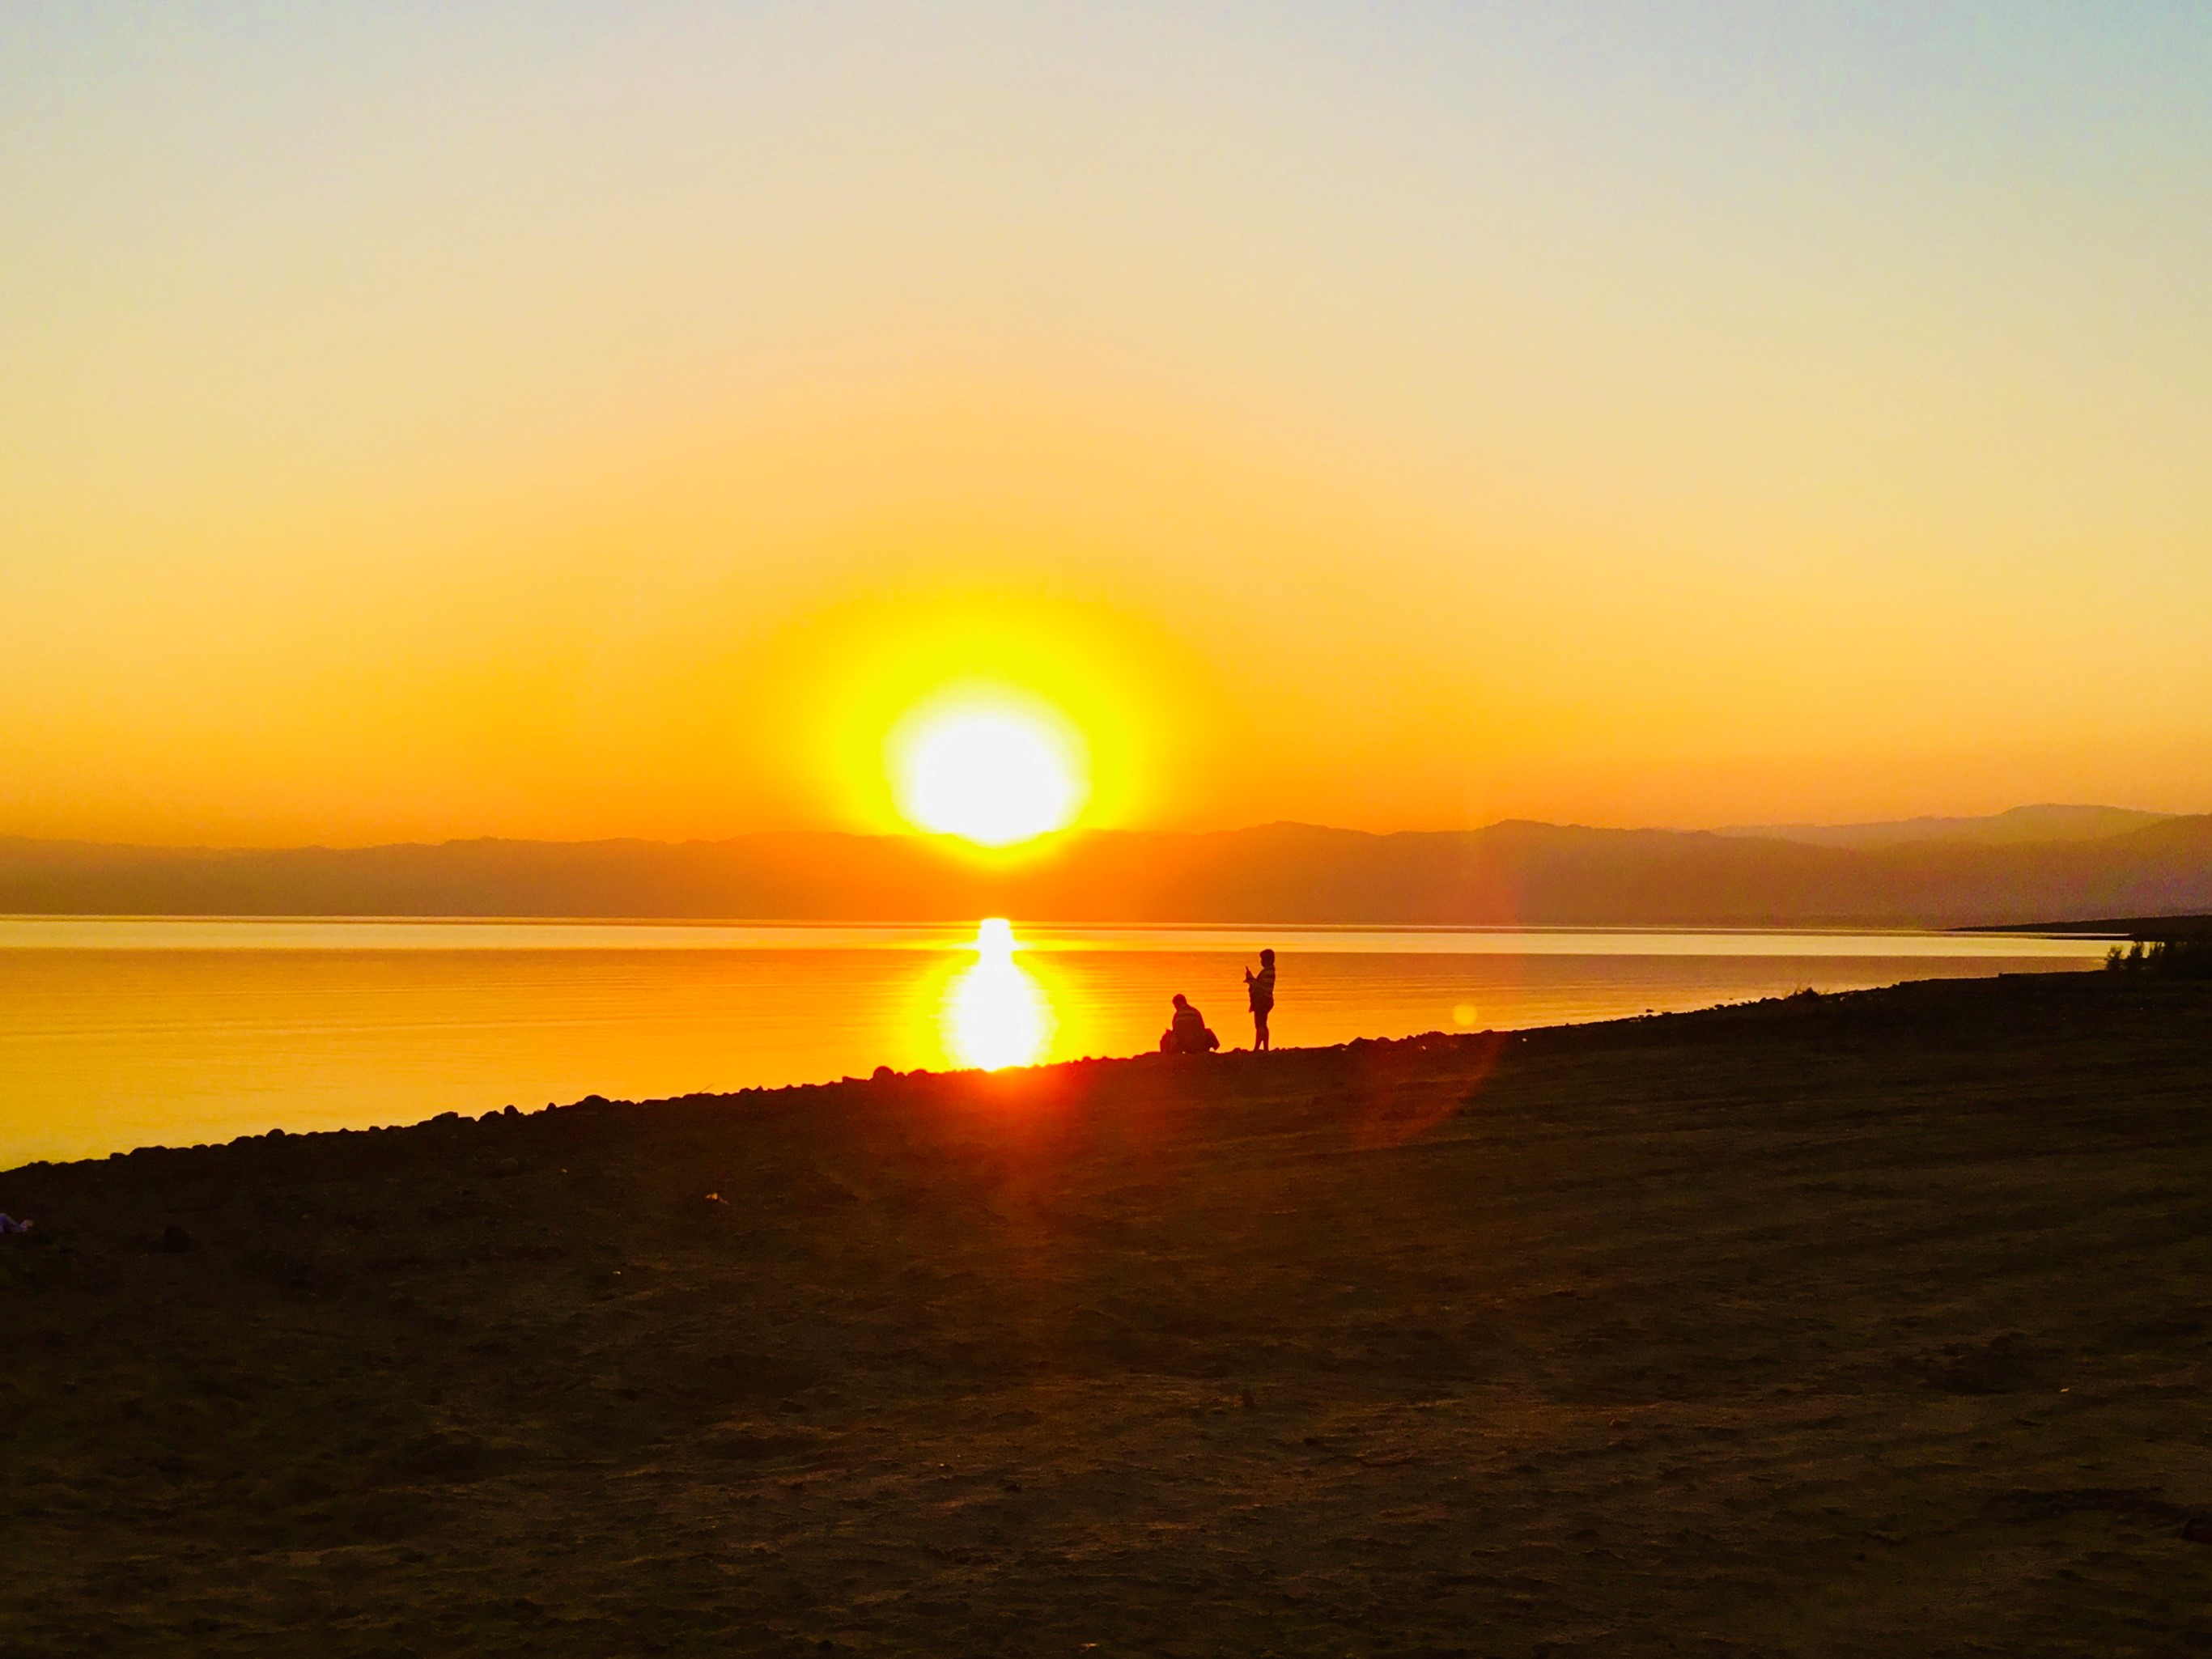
<point>991,766</point>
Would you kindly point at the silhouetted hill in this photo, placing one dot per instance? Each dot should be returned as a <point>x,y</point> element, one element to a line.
<point>2020,823</point>
<point>1515,871</point>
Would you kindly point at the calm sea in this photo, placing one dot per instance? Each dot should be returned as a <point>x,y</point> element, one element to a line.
<point>121,1033</point>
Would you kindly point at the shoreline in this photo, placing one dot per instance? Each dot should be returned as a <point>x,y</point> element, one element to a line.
<point>1022,1079</point>
<point>112,1050</point>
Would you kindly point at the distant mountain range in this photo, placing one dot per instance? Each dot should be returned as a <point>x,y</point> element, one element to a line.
<point>2021,823</point>
<point>1536,874</point>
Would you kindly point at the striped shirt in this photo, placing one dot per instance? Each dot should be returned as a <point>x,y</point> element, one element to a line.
<point>1261,988</point>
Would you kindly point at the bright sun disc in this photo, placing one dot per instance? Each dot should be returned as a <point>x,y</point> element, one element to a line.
<point>994,773</point>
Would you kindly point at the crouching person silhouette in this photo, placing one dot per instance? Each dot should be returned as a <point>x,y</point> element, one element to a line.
<point>1187,1033</point>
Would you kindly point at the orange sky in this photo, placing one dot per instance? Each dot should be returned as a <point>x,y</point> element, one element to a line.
<point>579,420</point>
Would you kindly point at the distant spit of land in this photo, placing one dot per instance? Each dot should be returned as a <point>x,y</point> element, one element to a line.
<point>2036,863</point>
<point>1850,1325</point>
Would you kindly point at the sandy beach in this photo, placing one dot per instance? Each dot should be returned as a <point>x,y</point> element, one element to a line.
<point>1836,1325</point>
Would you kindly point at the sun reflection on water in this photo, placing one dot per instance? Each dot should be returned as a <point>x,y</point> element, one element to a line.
<point>995,1014</point>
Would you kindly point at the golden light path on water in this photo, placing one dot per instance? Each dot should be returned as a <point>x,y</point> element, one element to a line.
<point>995,1014</point>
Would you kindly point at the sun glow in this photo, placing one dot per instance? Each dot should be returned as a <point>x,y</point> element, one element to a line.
<point>996,1014</point>
<point>989,766</point>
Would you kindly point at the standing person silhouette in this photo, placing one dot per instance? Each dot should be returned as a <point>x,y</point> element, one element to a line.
<point>1259,991</point>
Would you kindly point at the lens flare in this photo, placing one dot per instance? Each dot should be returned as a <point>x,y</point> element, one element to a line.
<point>991,767</point>
<point>996,1014</point>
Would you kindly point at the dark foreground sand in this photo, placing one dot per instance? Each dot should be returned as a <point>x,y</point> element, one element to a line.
<point>1867,1324</point>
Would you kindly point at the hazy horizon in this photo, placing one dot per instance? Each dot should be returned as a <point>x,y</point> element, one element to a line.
<point>1936,827</point>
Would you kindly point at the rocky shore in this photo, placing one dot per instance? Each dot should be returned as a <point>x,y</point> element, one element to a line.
<point>1846,1325</point>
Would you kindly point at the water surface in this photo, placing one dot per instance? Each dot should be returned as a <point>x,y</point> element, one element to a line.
<point>126,1032</point>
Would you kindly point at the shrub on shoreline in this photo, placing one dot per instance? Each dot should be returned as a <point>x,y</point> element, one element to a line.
<point>2174,959</point>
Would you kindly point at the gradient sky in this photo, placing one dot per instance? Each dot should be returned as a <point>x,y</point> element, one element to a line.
<point>560,420</point>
